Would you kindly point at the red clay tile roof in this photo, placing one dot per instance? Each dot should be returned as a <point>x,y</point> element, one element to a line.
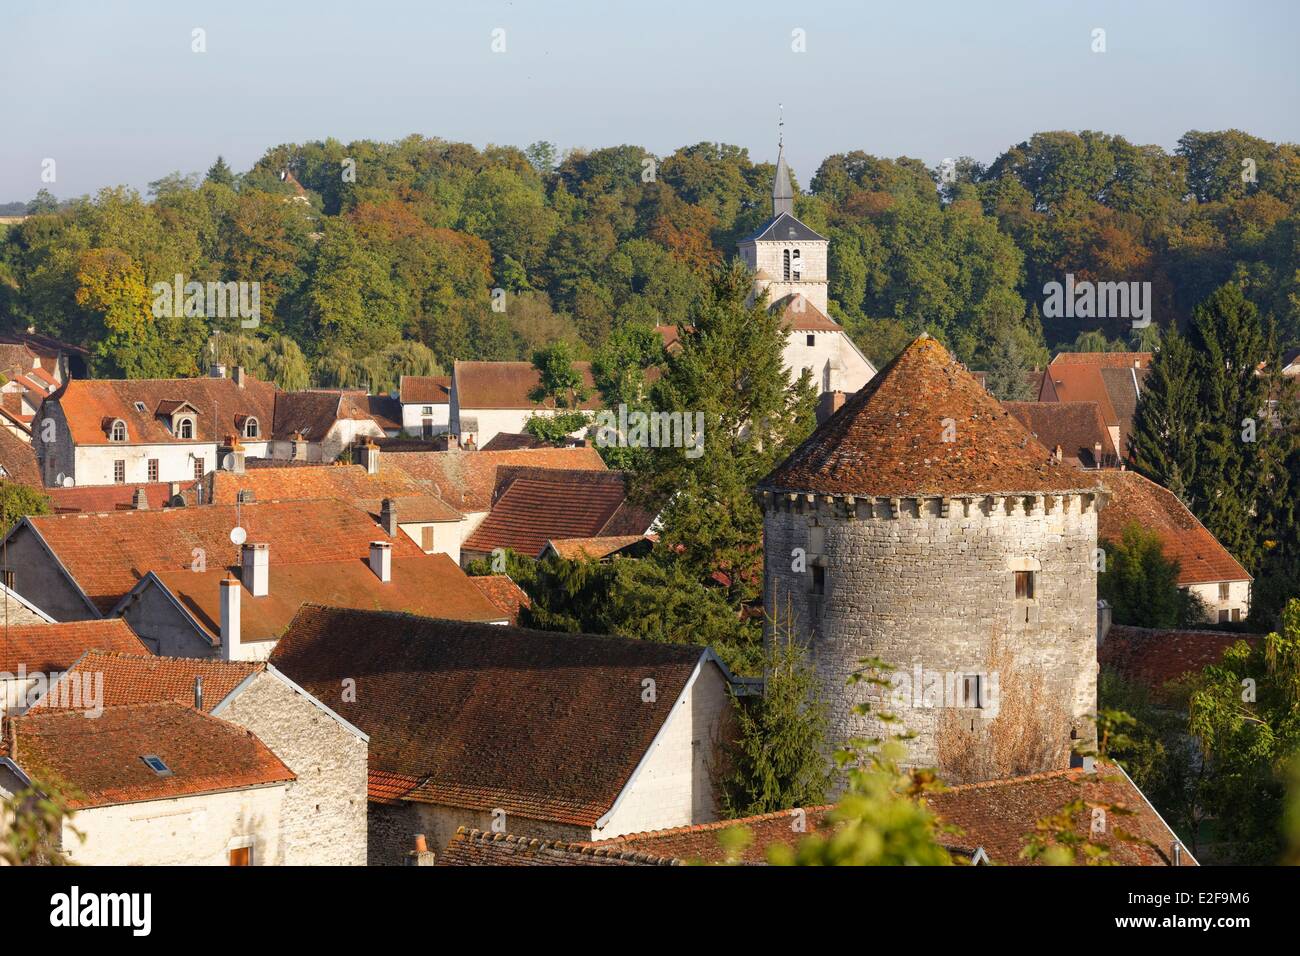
<point>466,480</point>
<point>998,815</point>
<point>55,647</point>
<point>386,411</point>
<point>593,548</point>
<point>1138,500</point>
<point>1077,427</point>
<point>108,497</point>
<point>485,716</point>
<point>1104,359</point>
<point>424,389</point>
<point>430,584</point>
<point>349,483</point>
<point>504,593</point>
<point>314,412</point>
<point>136,678</point>
<point>800,315</point>
<point>1077,383</point>
<point>412,509</point>
<point>888,439</point>
<point>90,405</point>
<point>107,553</point>
<point>479,848</point>
<point>700,843</point>
<point>19,459</point>
<point>533,505</point>
<point>1123,388</point>
<point>1154,657</point>
<point>99,760</point>
<point>513,441</point>
<point>508,385</point>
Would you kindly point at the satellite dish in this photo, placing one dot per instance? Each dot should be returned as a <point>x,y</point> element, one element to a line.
<point>65,481</point>
<point>238,535</point>
<point>228,463</point>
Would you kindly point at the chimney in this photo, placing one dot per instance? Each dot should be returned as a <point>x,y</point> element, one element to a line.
<point>1096,454</point>
<point>198,691</point>
<point>246,496</point>
<point>828,404</point>
<point>1103,621</point>
<point>229,618</point>
<point>381,560</point>
<point>238,375</point>
<point>368,455</point>
<point>139,501</point>
<point>1058,455</point>
<point>256,571</point>
<point>421,855</point>
<point>217,371</point>
<point>388,517</point>
<point>298,447</point>
<point>233,460</point>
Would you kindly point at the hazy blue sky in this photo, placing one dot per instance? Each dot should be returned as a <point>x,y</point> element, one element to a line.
<point>114,94</point>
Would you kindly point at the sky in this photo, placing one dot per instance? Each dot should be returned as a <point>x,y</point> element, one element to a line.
<point>114,92</point>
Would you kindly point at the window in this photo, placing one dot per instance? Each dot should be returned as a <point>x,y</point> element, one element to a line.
<point>199,471</point>
<point>118,431</point>
<point>1224,590</point>
<point>426,410</point>
<point>153,469</point>
<point>786,255</point>
<point>241,856</point>
<point>139,406</point>
<point>811,340</point>
<point>1236,614</point>
<point>426,537</point>
<point>119,472</point>
<point>250,428</point>
<point>818,579</point>
<point>156,764</point>
<point>1224,617</point>
<point>796,265</point>
<point>1024,585</point>
<point>185,428</point>
<point>972,691</point>
<point>7,577</point>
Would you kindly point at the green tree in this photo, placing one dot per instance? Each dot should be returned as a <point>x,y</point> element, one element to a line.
<point>17,501</point>
<point>560,384</point>
<point>1141,584</point>
<point>1166,434</point>
<point>776,759</point>
<point>221,174</point>
<point>728,370</point>
<point>1245,716</point>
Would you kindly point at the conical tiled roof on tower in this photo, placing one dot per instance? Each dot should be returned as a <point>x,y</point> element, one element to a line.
<point>888,439</point>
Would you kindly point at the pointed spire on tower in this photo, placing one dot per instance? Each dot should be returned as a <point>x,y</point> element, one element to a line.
<point>782,192</point>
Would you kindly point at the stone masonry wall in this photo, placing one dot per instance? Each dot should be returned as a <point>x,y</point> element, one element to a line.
<point>931,582</point>
<point>323,820</point>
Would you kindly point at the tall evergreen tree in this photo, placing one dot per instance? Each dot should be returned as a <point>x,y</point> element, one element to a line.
<point>1238,447</point>
<point>1165,426</point>
<point>728,375</point>
<point>221,174</point>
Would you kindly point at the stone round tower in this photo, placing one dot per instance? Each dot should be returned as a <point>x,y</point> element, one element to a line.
<point>924,526</point>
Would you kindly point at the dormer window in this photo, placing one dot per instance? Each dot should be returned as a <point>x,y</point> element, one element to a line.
<point>139,406</point>
<point>250,428</point>
<point>185,428</point>
<point>117,431</point>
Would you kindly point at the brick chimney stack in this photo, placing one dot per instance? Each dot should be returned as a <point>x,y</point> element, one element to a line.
<point>139,500</point>
<point>388,517</point>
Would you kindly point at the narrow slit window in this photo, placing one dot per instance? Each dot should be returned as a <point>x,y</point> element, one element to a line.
<point>1024,585</point>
